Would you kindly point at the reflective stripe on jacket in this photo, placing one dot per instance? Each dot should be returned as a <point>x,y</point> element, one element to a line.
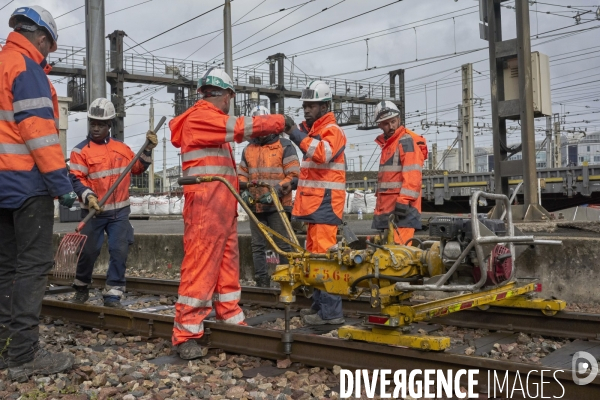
<point>96,166</point>
<point>400,178</point>
<point>275,163</point>
<point>321,189</point>
<point>203,133</point>
<point>31,159</point>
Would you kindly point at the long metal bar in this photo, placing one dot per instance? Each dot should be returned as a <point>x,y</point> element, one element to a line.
<point>526,101</point>
<point>282,214</point>
<point>301,252</point>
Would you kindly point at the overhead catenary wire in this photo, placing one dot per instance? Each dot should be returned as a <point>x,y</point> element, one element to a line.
<point>320,29</point>
<point>177,26</point>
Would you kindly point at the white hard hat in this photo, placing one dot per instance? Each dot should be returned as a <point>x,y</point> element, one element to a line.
<point>316,91</point>
<point>386,110</point>
<point>216,77</point>
<point>39,16</point>
<point>260,110</point>
<point>101,109</point>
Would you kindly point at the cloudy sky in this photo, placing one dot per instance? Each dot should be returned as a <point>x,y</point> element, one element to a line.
<point>430,39</point>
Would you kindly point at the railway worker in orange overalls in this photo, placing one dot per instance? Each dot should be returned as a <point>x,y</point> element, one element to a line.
<point>210,268</point>
<point>321,189</point>
<point>399,181</point>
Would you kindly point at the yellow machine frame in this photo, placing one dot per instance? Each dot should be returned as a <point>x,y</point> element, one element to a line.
<point>390,273</point>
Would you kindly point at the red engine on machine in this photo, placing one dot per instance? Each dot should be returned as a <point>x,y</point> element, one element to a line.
<point>500,265</point>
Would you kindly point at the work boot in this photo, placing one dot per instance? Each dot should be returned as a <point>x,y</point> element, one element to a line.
<point>314,319</point>
<point>307,311</point>
<point>82,294</point>
<point>190,350</point>
<point>112,302</point>
<point>43,363</point>
<point>263,282</point>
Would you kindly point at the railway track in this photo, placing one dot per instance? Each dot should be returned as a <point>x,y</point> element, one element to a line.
<point>571,325</point>
<point>310,348</point>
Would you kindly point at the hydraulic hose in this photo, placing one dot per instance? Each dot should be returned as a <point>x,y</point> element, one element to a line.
<point>387,277</point>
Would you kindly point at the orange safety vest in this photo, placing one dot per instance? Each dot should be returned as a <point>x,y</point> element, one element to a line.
<point>400,177</point>
<point>94,167</point>
<point>275,163</point>
<point>31,159</point>
<point>322,186</point>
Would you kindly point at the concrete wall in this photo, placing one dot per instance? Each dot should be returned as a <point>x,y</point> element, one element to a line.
<point>570,272</point>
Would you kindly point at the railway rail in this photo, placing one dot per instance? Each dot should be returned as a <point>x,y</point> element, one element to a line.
<point>571,325</point>
<point>312,349</point>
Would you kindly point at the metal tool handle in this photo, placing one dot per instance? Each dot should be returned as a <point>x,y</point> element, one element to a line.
<point>120,178</point>
<point>292,241</point>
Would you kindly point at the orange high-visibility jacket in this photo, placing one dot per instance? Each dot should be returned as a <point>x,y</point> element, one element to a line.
<point>275,163</point>
<point>400,177</point>
<point>96,166</point>
<point>321,189</point>
<point>31,159</point>
<point>203,133</point>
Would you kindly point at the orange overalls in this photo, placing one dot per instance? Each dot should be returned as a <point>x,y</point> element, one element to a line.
<point>321,194</point>
<point>399,181</point>
<point>210,268</point>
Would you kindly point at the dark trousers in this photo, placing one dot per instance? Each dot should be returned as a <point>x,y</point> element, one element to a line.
<point>328,306</point>
<point>25,260</point>
<point>259,243</point>
<point>120,236</point>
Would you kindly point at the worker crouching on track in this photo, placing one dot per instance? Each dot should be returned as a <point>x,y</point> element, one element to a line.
<point>399,181</point>
<point>273,160</point>
<point>96,164</point>
<point>321,189</point>
<point>210,267</point>
<point>32,172</point>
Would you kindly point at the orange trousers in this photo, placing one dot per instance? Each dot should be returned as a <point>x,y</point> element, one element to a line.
<point>210,269</point>
<point>320,237</point>
<point>402,235</point>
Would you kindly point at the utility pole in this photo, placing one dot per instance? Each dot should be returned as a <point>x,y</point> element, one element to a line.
<point>549,157</point>
<point>228,46</point>
<point>533,210</point>
<point>557,148</point>
<point>95,50</point>
<point>517,109</point>
<point>151,170</point>
<point>164,159</point>
<point>461,143</point>
<point>117,84</point>
<point>466,122</point>
<point>360,162</point>
<point>433,156</point>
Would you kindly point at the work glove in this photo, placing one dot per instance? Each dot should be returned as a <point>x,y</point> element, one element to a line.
<point>247,197</point>
<point>286,188</point>
<point>153,139</point>
<point>289,122</point>
<point>266,198</point>
<point>67,199</point>
<point>93,203</point>
<point>296,135</point>
<point>278,190</point>
<point>401,210</point>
